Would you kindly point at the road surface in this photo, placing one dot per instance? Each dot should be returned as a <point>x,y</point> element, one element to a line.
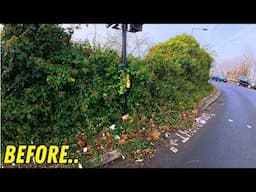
<point>227,140</point>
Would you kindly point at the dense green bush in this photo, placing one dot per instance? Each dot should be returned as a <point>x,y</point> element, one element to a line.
<point>52,88</point>
<point>180,70</point>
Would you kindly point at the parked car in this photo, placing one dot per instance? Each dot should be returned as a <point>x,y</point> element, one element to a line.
<point>219,77</point>
<point>246,82</point>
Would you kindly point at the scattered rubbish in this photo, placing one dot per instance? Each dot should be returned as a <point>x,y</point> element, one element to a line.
<point>139,160</point>
<point>200,121</point>
<point>212,114</point>
<point>167,134</point>
<point>174,150</point>
<point>249,126</point>
<point>85,149</point>
<point>205,116</point>
<point>230,120</point>
<point>117,137</point>
<point>151,143</point>
<point>112,127</point>
<point>125,117</point>
<point>123,157</point>
<point>80,166</point>
<point>102,147</point>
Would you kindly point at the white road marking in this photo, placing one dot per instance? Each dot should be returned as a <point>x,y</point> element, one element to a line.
<point>184,139</point>
<point>174,150</point>
<point>249,126</point>
<point>173,142</point>
<point>184,133</point>
<point>192,161</point>
<point>230,120</point>
<point>180,136</point>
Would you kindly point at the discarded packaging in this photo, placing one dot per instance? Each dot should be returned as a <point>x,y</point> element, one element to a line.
<point>167,134</point>
<point>201,121</point>
<point>139,160</point>
<point>112,127</point>
<point>85,149</point>
<point>117,137</point>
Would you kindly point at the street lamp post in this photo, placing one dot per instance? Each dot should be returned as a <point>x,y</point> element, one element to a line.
<point>204,29</point>
<point>132,28</point>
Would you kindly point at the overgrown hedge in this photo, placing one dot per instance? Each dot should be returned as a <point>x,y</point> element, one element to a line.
<point>53,88</point>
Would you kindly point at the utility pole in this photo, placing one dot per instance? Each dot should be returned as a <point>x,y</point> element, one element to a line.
<point>124,41</point>
<point>95,37</point>
<point>133,28</point>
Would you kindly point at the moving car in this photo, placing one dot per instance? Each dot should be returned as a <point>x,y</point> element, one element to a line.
<point>246,82</point>
<point>219,77</point>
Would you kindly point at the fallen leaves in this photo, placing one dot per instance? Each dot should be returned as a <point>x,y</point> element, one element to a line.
<point>155,134</point>
<point>123,138</point>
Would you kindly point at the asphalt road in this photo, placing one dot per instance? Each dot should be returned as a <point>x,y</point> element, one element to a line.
<point>227,140</point>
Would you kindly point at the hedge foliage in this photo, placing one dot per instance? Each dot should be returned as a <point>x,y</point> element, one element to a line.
<point>52,87</point>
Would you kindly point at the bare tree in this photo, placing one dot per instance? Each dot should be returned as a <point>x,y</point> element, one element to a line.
<point>137,44</point>
<point>240,66</point>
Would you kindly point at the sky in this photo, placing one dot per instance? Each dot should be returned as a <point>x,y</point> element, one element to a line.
<point>229,41</point>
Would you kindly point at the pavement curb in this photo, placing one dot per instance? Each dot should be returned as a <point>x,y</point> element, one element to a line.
<point>207,101</point>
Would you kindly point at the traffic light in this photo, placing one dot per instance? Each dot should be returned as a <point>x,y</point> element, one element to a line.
<point>135,28</point>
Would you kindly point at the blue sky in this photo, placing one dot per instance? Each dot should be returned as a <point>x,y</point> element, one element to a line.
<point>228,40</point>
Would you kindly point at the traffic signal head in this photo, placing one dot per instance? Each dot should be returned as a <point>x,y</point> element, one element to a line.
<point>135,28</point>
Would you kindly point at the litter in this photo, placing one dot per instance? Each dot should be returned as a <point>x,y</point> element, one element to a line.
<point>202,121</point>
<point>117,137</point>
<point>85,149</point>
<point>80,166</point>
<point>112,127</point>
<point>230,120</point>
<point>139,160</point>
<point>167,134</point>
<point>249,126</point>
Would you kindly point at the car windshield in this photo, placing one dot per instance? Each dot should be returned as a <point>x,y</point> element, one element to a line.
<point>244,79</point>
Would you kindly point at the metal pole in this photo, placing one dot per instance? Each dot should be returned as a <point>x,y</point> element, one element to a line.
<point>124,38</point>
<point>95,37</point>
